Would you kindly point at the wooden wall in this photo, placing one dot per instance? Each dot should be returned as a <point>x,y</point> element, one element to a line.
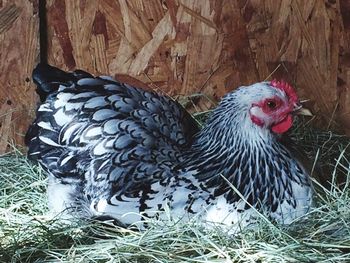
<point>186,47</point>
<point>211,46</point>
<point>19,49</point>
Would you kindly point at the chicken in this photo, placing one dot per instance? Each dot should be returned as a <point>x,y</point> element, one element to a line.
<point>113,150</point>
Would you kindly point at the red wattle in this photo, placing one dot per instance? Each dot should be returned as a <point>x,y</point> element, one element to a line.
<point>284,125</point>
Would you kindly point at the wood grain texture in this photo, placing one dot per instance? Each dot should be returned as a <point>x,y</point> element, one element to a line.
<point>19,51</point>
<point>343,77</point>
<point>182,47</point>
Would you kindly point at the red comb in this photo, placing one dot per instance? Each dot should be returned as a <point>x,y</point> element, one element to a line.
<point>282,85</point>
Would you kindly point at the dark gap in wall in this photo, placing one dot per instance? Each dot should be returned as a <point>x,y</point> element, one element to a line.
<point>43,31</point>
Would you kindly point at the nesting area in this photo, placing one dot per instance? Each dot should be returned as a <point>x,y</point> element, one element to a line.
<point>195,52</point>
<point>27,234</point>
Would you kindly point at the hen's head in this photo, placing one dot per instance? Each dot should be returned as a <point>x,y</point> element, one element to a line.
<point>274,106</point>
<point>268,104</point>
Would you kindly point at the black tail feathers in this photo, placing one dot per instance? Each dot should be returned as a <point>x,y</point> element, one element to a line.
<point>48,78</point>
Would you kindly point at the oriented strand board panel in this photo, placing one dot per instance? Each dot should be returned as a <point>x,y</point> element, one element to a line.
<point>19,51</point>
<point>179,47</point>
<point>343,80</point>
<point>185,47</point>
<point>303,38</point>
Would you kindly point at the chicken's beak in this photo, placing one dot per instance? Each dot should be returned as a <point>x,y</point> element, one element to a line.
<point>300,110</point>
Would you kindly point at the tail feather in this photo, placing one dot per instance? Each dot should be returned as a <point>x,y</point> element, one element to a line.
<point>48,78</point>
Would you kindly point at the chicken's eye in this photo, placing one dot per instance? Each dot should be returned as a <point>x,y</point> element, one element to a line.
<point>271,104</point>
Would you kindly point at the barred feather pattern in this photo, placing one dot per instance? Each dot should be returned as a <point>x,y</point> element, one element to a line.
<point>115,150</point>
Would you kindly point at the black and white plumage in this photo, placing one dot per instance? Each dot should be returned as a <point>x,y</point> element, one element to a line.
<point>118,151</point>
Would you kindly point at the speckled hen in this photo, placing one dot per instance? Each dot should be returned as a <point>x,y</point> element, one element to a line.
<point>113,150</point>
